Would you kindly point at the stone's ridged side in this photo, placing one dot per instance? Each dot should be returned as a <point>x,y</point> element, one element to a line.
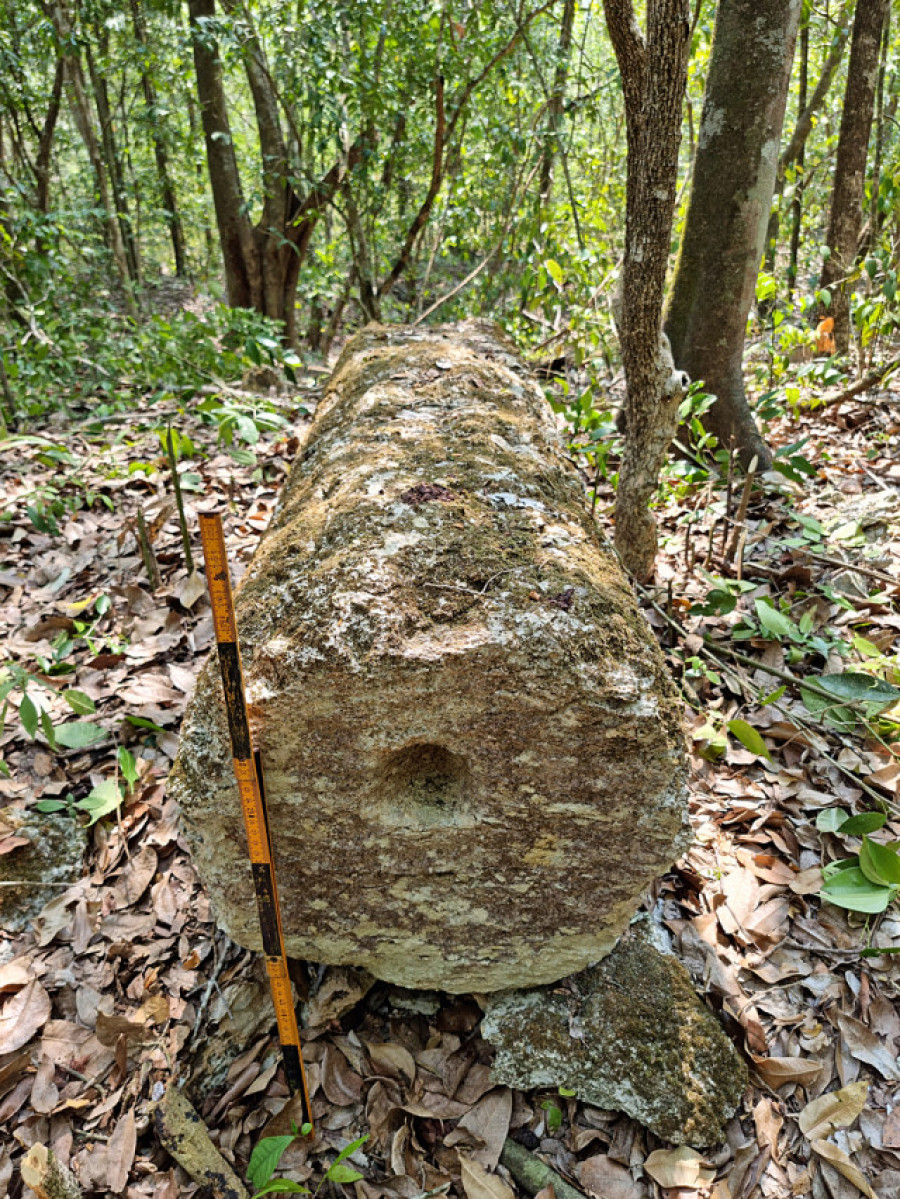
<point>473,754</point>
<point>629,1035</point>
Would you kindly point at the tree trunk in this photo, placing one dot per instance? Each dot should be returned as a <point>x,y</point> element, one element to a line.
<point>262,262</point>
<point>845,220</point>
<point>654,74</point>
<point>794,150</point>
<point>113,162</point>
<point>45,143</point>
<point>799,182</point>
<point>875,217</point>
<point>731,195</point>
<point>555,105</point>
<point>166,186</point>
<point>84,122</point>
<point>243,279</point>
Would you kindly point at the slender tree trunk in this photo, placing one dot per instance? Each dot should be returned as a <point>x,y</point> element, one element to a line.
<point>845,220</point>
<point>45,143</point>
<point>243,279</point>
<point>875,208</point>
<point>84,122</point>
<point>731,196</point>
<point>557,98</point>
<point>166,186</point>
<point>654,74</point>
<point>800,162</point>
<point>113,161</point>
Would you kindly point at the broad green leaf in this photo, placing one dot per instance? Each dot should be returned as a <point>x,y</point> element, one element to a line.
<point>340,1172</point>
<point>265,1157</point>
<point>102,801</point>
<point>774,622</point>
<point>856,687</point>
<point>879,863</point>
<point>831,820</point>
<point>28,714</point>
<point>851,889</point>
<point>865,822</point>
<point>80,734</point>
<point>81,704</point>
<point>50,805</point>
<point>749,738</point>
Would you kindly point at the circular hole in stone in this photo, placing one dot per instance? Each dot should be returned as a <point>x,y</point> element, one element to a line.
<point>425,783</point>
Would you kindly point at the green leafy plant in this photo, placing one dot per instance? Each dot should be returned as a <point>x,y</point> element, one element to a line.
<point>105,798</point>
<point>870,880</point>
<point>268,1152</point>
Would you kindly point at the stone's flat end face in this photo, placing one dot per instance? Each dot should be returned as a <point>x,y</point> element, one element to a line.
<point>473,753</point>
<point>629,1034</point>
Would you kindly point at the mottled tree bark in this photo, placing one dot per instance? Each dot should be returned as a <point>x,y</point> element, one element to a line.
<point>731,195</point>
<point>654,72</point>
<point>845,220</point>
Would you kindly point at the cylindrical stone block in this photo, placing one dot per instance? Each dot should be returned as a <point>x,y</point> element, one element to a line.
<point>473,753</point>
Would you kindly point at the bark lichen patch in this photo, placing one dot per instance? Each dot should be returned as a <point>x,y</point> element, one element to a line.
<point>429,679</point>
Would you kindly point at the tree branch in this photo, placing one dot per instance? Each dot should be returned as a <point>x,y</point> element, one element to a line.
<point>630,48</point>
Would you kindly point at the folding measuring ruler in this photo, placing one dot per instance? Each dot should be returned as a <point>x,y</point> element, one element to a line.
<point>249,775</point>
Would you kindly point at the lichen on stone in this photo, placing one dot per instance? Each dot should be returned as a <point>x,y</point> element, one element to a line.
<point>628,1034</point>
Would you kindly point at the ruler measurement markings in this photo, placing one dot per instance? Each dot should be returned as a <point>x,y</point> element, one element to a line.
<point>249,777</point>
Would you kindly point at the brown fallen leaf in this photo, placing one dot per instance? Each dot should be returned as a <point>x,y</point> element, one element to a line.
<point>44,1092</point>
<point>837,1109</point>
<point>120,1153</point>
<point>778,1071</point>
<point>341,1084</point>
<point>22,1015</point>
<point>844,1165</point>
<point>137,876</point>
<point>681,1167</point>
<point>488,1122</point>
<point>479,1184</point>
<point>341,989</point>
<point>110,1028</point>
<point>606,1179</point>
<point>391,1061</point>
<point>866,1047</point>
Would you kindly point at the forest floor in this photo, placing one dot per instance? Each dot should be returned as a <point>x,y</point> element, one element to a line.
<point>120,982</point>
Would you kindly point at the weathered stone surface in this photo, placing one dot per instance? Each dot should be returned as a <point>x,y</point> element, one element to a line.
<point>47,854</point>
<point>473,753</point>
<point>628,1034</point>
